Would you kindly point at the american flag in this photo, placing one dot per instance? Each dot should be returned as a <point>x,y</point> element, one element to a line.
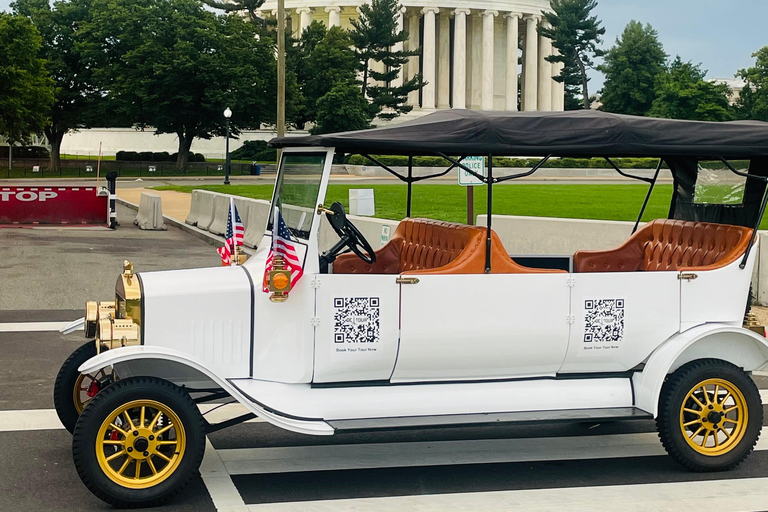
<point>235,234</point>
<point>284,246</point>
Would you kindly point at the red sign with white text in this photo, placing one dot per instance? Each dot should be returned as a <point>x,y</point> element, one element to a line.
<point>53,205</point>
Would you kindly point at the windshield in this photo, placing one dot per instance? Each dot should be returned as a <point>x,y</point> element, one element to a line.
<point>297,189</point>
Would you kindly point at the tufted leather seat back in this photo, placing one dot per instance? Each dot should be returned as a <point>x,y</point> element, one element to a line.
<point>428,244</point>
<point>670,245</point>
<point>424,246</point>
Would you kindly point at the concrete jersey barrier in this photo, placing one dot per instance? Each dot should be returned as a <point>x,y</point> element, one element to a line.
<point>205,209</point>
<point>194,209</point>
<point>256,223</point>
<point>150,215</point>
<point>220,214</point>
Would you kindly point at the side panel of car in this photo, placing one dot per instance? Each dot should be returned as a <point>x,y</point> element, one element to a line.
<point>461,327</point>
<point>357,327</point>
<point>718,295</point>
<point>203,312</point>
<point>619,318</point>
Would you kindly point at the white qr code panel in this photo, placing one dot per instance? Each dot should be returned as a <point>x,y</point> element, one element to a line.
<point>604,320</point>
<point>356,336</point>
<point>356,320</point>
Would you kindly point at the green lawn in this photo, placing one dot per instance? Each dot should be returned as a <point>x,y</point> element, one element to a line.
<point>449,202</point>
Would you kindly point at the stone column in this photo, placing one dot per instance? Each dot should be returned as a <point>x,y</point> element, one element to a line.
<point>306,18</point>
<point>398,81</point>
<point>460,58</point>
<point>513,23</point>
<point>428,67</point>
<point>476,62</point>
<point>334,15</point>
<point>530,61</point>
<point>558,91</point>
<point>545,71</point>
<point>489,20</point>
<point>413,62</point>
<point>444,61</point>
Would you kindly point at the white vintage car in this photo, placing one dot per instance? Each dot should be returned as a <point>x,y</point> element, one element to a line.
<point>441,327</point>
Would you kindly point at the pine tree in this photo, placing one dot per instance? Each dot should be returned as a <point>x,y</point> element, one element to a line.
<point>631,67</point>
<point>375,35</point>
<point>576,36</point>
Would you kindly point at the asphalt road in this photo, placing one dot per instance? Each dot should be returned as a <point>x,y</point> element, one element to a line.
<point>255,466</point>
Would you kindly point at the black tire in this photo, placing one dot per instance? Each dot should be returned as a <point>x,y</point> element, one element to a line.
<point>66,381</point>
<point>680,391</point>
<point>99,475</point>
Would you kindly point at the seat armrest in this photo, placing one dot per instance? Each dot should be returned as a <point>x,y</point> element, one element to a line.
<point>626,258</point>
<point>387,261</point>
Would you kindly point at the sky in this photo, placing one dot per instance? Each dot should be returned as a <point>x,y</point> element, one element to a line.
<point>719,34</point>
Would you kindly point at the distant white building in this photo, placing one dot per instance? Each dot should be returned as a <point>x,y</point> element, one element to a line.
<point>735,84</point>
<point>469,50</point>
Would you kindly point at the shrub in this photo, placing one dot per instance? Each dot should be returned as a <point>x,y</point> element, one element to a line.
<point>26,152</point>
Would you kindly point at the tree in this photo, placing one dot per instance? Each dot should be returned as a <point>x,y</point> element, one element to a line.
<point>576,35</point>
<point>375,35</point>
<point>753,99</point>
<point>176,66</point>
<point>26,90</point>
<point>249,7</point>
<point>682,93</point>
<point>631,67</point>
<point>343,108</point>
<point>75,98</point>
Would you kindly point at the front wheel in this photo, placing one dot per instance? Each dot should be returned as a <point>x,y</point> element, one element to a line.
<point>138,442</point>
<point>710,415</point>
<point>73,390</point>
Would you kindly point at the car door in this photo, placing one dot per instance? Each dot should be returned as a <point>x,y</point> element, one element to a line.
<point>477,326</point>
<point>619,318</point>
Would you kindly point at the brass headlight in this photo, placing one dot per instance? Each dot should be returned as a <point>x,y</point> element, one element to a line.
<point>128,295</point>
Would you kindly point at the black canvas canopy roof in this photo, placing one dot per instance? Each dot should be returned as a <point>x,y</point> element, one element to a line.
<point>582,133</point>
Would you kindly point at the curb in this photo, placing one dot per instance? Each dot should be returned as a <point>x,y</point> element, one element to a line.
<point>205,236</point>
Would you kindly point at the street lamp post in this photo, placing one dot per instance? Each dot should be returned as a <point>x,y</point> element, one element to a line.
<point>227,115</point>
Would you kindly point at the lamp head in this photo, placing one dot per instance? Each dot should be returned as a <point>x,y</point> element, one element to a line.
<point>228,113</point>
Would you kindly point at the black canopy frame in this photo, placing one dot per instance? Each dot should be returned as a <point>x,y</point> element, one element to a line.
<point>577,134</point>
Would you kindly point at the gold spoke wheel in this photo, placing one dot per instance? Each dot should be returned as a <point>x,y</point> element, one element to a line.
<point>82,385</point>
<point>140,444</point>
<point>713,417</point>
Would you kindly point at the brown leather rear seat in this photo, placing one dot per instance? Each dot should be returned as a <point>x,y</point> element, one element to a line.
<point>423,246</point>
<point>670,245</point>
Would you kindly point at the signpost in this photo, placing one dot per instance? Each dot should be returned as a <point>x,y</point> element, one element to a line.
<point>477,164</point>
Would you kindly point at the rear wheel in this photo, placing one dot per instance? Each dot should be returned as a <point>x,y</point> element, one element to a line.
<point>73,390</point>
<point>139,442</point>
<point>710,415</point>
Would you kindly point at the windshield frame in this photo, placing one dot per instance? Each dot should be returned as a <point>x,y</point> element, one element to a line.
<point>310,234</point>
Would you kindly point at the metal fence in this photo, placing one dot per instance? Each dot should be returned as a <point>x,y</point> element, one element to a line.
<point>38,168</point>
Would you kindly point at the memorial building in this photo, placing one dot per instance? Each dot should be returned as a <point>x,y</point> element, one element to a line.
<point>475,54</point>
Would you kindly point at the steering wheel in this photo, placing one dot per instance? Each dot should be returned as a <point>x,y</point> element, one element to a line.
<point>350,236</point>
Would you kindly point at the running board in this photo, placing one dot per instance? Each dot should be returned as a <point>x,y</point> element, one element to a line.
<point>458,420</point>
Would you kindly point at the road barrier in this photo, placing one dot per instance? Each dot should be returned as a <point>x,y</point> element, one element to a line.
<point>256,222</point>
<point>206,209</point>
<point>220,214</point>
<point>195,208</point>
<point>150,214</point>
<point>54,205</point>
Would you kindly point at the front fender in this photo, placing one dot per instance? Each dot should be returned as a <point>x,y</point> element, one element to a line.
<point>736,345</point>
<point>178,367</point>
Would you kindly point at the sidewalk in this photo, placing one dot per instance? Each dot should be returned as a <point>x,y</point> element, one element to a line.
<point>175,204</point>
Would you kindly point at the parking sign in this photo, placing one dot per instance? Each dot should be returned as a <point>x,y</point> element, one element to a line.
<point>477,164</point>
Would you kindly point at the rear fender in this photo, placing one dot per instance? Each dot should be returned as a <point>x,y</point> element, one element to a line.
<point>736,345</point>
<point>180,369</point>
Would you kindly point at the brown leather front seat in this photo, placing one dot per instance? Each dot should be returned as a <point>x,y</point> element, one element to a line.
<point>424,246</point>
<point>670,245</point>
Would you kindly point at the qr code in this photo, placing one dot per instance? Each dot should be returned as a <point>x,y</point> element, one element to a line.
<point>356,320</point>
<point>604,320</point>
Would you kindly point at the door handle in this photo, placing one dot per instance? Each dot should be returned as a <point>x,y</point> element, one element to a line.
<point>687,276</point>
<point>407,280</point>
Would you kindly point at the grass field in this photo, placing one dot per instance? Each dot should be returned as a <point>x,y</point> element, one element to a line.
<point>449,202</point>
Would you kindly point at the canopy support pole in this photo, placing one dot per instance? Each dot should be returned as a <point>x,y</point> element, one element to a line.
<point>489,214</point>
<point>647,196</point>
<point>616,168</point>
<point>410,187</point>
<point>745,174</point>
<point>754,231</point>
